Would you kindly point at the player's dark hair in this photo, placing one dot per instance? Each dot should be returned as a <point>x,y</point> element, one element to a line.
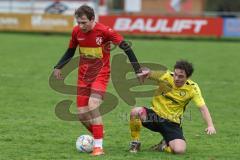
<point>85,10</point>
<point>186,66</point>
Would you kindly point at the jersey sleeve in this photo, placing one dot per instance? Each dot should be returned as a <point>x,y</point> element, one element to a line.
<point>73,41</point>
<point>113,36</point>
<point>197,96</point>
<point>157,75</point>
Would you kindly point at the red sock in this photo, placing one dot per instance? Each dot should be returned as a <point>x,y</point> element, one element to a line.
<point>97,131</point>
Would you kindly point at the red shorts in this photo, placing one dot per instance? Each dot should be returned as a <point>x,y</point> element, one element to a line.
<point>85,89</point>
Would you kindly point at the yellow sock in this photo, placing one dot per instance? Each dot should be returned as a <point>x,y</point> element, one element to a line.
<point>168,149</point>
<point>135,127</point>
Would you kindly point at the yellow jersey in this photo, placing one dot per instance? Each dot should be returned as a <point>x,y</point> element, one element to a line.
<point>169,101</point>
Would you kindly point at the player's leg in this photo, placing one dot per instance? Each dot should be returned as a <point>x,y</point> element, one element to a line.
<point>178,146</point>
<point>85,117</point>
<point>95,100</point>
<point>137,115</point>
<point>94,103</point>
<point>83,94</point>
<point>174,141</point>
<point>173,136</point>
<point>98,89</point>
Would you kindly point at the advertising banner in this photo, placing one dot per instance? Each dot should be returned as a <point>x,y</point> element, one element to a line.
<point>56,23</point>
<point>231,27</point>
<point>158,25</point>
<point>38,22</point>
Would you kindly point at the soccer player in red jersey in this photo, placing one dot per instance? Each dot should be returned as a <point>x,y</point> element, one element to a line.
<point>94,68</point>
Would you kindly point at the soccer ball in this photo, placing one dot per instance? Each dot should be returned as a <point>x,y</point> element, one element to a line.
<point>85,143</point>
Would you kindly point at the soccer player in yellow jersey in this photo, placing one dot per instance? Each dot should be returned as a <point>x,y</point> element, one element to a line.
<point>175,91</point>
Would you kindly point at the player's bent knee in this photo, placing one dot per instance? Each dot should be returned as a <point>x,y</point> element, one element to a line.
<point>94,103</point>
<point>82,110</point>
<point>142,113</point>
<point>178,146</point>
<point>139,112</point>
<point>133,112</point>
<point>136,111</point>
<point>179,150</point>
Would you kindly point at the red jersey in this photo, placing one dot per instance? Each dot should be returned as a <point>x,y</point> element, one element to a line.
<point>94,50</point>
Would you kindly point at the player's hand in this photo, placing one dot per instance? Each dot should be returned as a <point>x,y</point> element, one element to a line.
<point>210,130</point>
<point>143,75</point>
<point>58,73</point>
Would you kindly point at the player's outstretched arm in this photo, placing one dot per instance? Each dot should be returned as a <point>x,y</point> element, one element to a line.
<point>156,75</point>
<point>133,59</point>
<point>208,119</point>
<point>64,60</point>
<point>152,75</point>
<point>131,56</point>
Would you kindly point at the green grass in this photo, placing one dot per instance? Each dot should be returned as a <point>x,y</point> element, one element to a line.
<point>29,128</point>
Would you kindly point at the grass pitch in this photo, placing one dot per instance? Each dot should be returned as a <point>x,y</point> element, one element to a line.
<point>29,128</point>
